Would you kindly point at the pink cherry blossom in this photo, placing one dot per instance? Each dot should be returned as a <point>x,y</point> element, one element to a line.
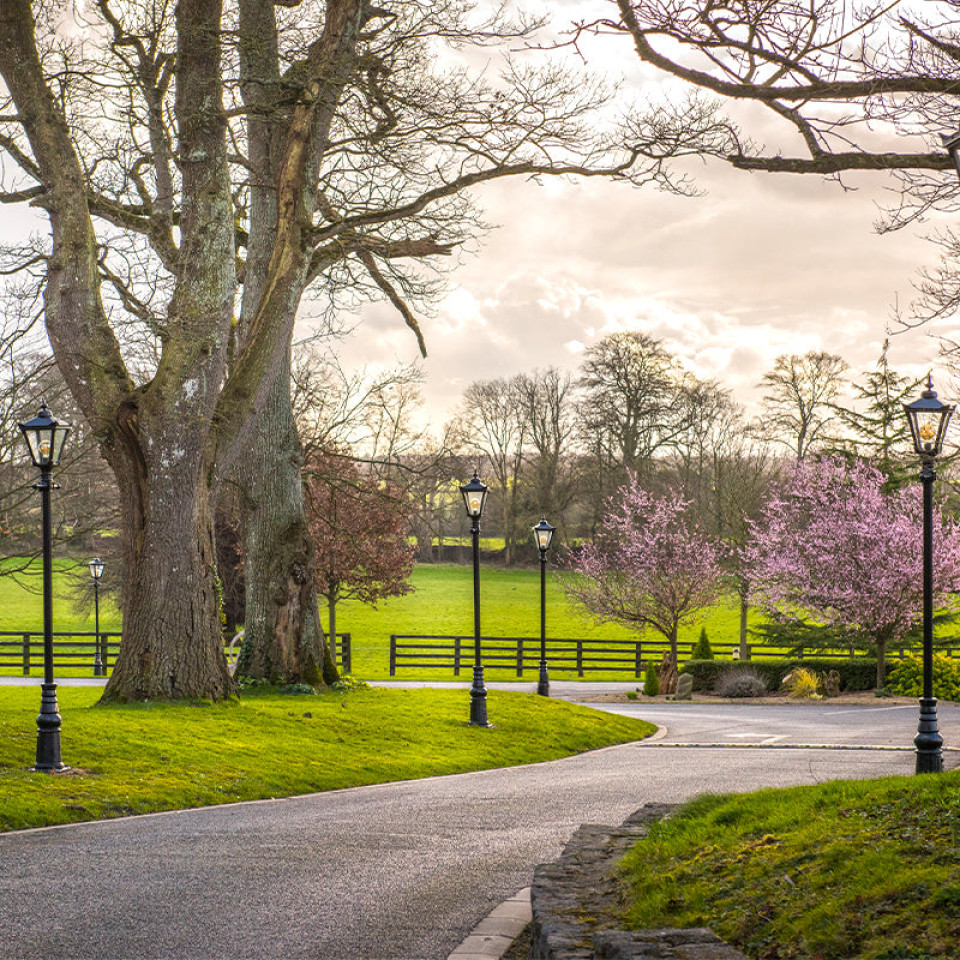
<point>648,567</point>
<point>836,548</point>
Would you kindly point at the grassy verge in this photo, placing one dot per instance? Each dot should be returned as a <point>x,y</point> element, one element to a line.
<point>147,757</point>
<point>846,869</point>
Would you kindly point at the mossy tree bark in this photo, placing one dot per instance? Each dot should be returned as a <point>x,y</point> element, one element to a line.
<point>164,438</point>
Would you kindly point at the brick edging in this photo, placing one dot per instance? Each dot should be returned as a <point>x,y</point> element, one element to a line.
<point>575,902</point>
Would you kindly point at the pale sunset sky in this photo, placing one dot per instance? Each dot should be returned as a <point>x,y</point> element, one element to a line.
<point>758,266</point>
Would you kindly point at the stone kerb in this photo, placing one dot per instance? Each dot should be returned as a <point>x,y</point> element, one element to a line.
<point>574,903</point>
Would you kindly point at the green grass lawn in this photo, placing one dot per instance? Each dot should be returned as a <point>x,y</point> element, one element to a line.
<point>21,600</point>
<point>867,869</point>
<point>145,757</point>
<point>509,607</point>
<point>442,603</point>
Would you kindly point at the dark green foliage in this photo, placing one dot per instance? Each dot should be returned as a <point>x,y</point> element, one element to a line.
<point>702,650</point>
<point>858,674</point>
<point>651,682</point>
<point>802,636</point>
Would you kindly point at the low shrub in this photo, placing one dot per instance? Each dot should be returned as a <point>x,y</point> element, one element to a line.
<point>906,678</point>
<point>802,684</point>
<point>742,682</point>
<point>651,682</point>
<point>703,650</point>
<point>858,674</point>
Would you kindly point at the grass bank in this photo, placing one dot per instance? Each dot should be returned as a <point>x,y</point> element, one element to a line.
<point>141,758</point>
<point>865,869</point>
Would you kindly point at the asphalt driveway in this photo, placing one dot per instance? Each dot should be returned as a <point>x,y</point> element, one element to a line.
<point>401,870</point>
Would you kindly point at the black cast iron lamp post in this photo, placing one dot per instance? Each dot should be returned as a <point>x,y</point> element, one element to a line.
<point>928,418</point>
<point>45,439</point>
<point>543,535</point>
<point>474,496</point>
<point>96,571</point>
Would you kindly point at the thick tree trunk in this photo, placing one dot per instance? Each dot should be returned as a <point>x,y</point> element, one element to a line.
<point>881,663</point>
<point>283,639</point>
<point>332,624</point>
<point>172,643</point>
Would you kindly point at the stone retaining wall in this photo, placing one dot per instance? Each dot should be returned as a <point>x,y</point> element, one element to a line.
<point>575,903</point>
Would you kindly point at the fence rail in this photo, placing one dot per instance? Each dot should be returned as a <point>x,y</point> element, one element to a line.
<point>20,648</point>
<point>446,652</point>
<point>24,649</point>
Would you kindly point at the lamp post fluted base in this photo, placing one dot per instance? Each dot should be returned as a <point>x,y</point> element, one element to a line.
<point>928,741</point>
<point>543,685</point>
<point>478,700</point>
<point>48,732</point>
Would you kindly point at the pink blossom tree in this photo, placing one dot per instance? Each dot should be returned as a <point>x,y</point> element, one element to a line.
<point>836,548</point>
<point>649,566</point>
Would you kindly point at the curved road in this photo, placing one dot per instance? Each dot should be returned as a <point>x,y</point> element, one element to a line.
<point>399,871</point>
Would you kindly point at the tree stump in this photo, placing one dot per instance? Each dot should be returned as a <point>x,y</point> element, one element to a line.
<point>667,675</point>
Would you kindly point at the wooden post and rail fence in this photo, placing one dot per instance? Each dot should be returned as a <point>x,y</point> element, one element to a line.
<point>23,650</point>
<point>581,656</point>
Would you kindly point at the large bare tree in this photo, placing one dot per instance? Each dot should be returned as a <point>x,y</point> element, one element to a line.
<point>800,399</point>
<point>201,165</point>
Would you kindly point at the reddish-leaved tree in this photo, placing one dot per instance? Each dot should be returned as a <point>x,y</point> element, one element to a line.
<point>834,547</point>
<point>648,566</point>
<point>359,526</point>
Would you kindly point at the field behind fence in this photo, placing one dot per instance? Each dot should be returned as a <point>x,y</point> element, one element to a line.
<point>441,605</point>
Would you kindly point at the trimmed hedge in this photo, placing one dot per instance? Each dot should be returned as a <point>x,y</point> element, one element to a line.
<point>859,674</point>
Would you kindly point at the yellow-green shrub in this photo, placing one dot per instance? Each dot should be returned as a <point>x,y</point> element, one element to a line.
<point>906,678</point>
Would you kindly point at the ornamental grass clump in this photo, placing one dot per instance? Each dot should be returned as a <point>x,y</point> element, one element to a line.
<point>738,684</point>
<point>802,684</point>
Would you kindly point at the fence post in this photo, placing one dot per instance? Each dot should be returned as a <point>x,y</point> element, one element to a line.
<point>26,654</point>
<point>393,654</point>
<point>456,656</point>
<point>519,656</point>
<point>579,658</point>
<point>346,652</point>
<point>637,670</point>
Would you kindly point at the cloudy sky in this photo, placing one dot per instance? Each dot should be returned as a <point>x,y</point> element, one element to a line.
<point>759,266</point>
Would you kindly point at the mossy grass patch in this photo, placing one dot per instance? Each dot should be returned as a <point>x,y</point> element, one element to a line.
<point>865,869</point>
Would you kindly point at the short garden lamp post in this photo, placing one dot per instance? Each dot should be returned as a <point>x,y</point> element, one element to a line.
<point>96,571</point>
<point>928,418</point>
<point>45,438</point>
<point>474,496</point>
<point>543,535</point>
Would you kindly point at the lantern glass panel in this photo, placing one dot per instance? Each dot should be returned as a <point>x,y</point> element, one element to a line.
<point>543,534</point>
<point>474,496</point>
